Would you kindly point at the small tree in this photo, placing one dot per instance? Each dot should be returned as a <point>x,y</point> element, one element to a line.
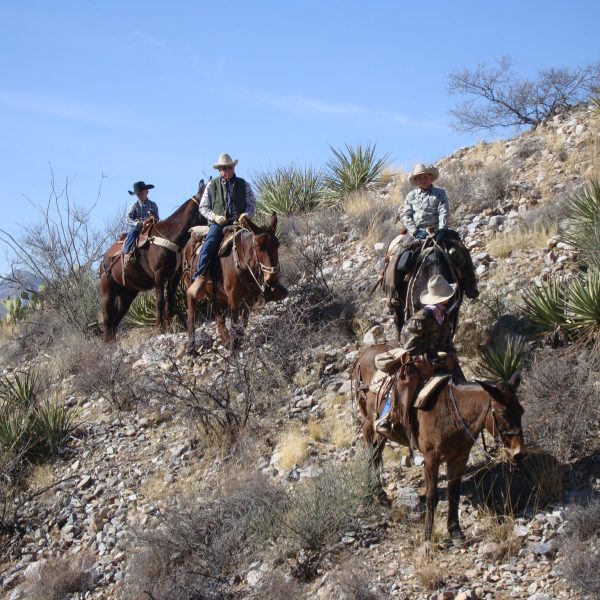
<point>60,252</point>
<point>498,97</point>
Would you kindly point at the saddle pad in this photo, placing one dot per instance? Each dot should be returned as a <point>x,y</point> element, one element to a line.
<point>199,231</point>
<point>389,360</point>
<point>378,379</point>
<point>228,241</point>
<point>429,388</point>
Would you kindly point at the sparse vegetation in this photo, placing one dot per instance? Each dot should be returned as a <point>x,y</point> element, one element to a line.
<point>293,449</point>
<point>502,358</point>
<point>584,223</point>
<point>142,312</point>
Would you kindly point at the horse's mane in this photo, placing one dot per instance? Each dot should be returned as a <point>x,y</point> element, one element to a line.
<point>178,210</point>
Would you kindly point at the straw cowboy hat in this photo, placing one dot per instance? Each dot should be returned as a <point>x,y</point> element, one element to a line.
<point>225,161</point>
<point>438,290</point>
<point>420,169</point>
<point>140,186</point>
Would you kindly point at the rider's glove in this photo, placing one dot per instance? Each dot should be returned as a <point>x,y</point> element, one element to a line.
<point>420,234</point>
<point>244,216</point>
<point>220,220</point>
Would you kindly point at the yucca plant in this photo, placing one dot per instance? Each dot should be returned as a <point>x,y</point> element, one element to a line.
<point>545,306</point>
<point>289,190</point>
<point>584,223</point>
<point>51,425</point>
<point>502,359</point>
<point>20,392</point>
<point>352,169</point>
<point>583,307</point>
<point>15,428</point>
<point>142,312</point>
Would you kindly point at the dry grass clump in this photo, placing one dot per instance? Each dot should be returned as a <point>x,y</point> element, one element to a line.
<point>561,398</point>
<point>58,577</point>
<point>276,586</point>
<point>581,549</point>
<point>352,580</point>
<point>374,219</point>
<point>293,449</point>
<point>428,572</point>
<point>500,529</point>
<point>504,244</point>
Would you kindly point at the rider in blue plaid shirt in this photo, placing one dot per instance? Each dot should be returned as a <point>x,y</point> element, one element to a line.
<point>140,210</point>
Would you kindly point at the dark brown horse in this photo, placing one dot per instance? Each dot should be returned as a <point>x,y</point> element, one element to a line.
<point>445,432</point>
<point>245,271</point>
<point>159,262</point>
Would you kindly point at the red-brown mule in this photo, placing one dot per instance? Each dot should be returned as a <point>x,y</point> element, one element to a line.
<point>157,264</point>
<point>445,432</point>
<point>244,272</point>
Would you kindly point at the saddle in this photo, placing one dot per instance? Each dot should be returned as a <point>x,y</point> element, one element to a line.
<point>199,233</point>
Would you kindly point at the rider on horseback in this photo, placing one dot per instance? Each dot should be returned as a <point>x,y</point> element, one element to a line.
<point>140,210</point>
<point>426,339</point>
<point>225,200</point>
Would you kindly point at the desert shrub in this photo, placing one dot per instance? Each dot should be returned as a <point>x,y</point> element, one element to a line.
<point>201,542</point>
<point>353,581</point>
<point>289,190</point>
<point>580,548</point>
<point>58,577</point>
<point>561,399</point>
<point>276,586</point>
<point>584,223</point>
<point>351,170</point>
<point>100,369</point>
<point>322,508</point>
<point>474,192</point>
<point>544,306</point>
<point>502,358</point>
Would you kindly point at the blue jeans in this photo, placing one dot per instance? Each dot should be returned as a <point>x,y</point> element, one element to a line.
<point>132,235</point>
<point>209,250</point>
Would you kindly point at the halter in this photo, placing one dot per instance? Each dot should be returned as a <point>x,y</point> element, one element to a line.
<point>274,270</point>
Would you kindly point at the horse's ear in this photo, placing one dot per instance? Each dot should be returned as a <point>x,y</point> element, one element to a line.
<point>493,390</point>
<point>273,224</point>
<point>514,382</point>
<point>248,224</point>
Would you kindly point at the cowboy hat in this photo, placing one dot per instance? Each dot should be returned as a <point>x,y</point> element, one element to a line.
<point>438,290</point>
<point>225,161</point>
<point>420,169</point>
<point>140,186</point>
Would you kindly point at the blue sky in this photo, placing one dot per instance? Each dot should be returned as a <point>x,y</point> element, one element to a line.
<point>156,90</point>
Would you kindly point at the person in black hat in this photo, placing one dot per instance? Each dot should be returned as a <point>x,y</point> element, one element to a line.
<point>140,210</point>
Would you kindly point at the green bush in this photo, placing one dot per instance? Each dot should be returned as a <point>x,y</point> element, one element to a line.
<point>289,190</point>
<point>502,359</point>
<point>583,211</point>
<point>583,307</point>
<point>29,426</point>
<point>351,170</point>
<point>545,306</point>
<point>142,312</point>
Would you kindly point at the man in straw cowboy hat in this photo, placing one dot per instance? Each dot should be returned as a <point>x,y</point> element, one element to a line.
<point>424,336</point>
<point>225,200</point>
<point>139,211</point>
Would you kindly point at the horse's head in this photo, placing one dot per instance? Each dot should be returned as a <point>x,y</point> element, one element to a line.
<point>266,248</point>
<point>504,419</point>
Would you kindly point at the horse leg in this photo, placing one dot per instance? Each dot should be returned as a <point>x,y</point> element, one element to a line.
<point>456,469</point>
<point>108,311</point>
<point>375,445</point>
<point>432,467</point>
<point>124,300</point>
<point>222,327</point>
<point>191,324</point>
<point>160,306</point>
<point>172,284</point>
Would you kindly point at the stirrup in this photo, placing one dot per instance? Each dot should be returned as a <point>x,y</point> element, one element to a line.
<point>383,425</point>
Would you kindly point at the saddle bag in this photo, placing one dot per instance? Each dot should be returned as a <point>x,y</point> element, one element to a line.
<point>406,262</point>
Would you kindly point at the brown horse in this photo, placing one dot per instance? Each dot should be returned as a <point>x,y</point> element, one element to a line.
<point>245,272</point>
<point>159,262</point>
<point>444,432</point>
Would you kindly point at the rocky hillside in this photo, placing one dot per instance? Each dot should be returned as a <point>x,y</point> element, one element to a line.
<point>219,476</point>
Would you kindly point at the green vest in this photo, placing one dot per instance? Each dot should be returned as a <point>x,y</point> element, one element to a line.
<point>219,196</point>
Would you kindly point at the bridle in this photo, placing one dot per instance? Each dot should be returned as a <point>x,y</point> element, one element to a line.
<point>274,270</point>
<point>504,434</point>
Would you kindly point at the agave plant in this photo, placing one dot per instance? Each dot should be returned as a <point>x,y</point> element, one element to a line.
<point>502,359</point>
<point>19,392</point>
<point>352,169</point>
<point>289,190</point>
<point>51,425</point>
<point>583,307</point>
<point>584,223</point>
<point>545,306</point>
<point>142,312</point>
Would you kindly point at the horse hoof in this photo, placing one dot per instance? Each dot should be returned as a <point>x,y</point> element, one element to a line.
<point>458,537</point>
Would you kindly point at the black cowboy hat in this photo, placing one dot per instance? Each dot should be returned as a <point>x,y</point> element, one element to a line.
<point>140,186</point>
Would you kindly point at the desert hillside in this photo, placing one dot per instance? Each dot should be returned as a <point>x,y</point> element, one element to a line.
<point>243,476</point>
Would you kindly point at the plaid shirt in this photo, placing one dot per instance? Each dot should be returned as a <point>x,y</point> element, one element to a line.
<point>207,201</point>
<point>140,212</point>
